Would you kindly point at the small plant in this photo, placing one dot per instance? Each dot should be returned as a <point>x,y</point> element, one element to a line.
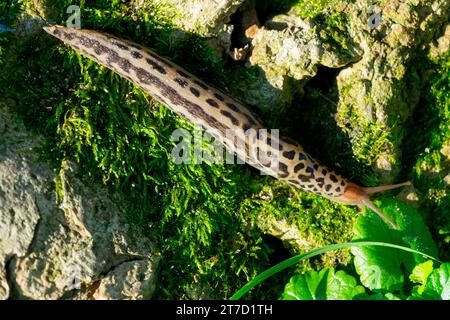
<point>389,264</point>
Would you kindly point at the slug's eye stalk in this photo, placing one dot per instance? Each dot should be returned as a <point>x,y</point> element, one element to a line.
<point>359,196</point>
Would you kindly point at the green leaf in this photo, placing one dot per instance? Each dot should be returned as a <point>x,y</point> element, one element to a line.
<point>380,269</point>
<point>438,284</point>
<point>421,272</point>
<point>322,285</point>
<point>343,286</point>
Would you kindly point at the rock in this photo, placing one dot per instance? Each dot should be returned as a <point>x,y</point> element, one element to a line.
<point>204,17</point>
<point>410,195</point>
<point>442,44</point>
<point>51,250</point>
<point>374,100</point>
<point>129,280</point>
<point>288,50</point>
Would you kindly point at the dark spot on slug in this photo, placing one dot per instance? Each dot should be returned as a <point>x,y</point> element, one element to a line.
<point>301,156</point>
<point>309,169</point>
<point>183,83</point>
<point>121,46</point>
<point>299,167</point>
<point>229,116</point>
<point>289,154</point>
<point>328,187</point>
<point>338,189</point>
<point>333,178</point>
<point>195,92</point>
<point>68,36</point>
<point>156,66</point>
<point>343,183</point>
<point>304,178</point>
<point>316,167</point>
<point>125,65</point>
<point>294,181</point>
<point>283,167</point>
<point>320,180</point>
<point>233,107</point>
<point>212,103</point>
<point>324,172</point>
<point>136,55</point>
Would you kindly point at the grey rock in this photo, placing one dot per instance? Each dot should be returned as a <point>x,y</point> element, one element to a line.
<point>130,280</point>
<point>53,250</point>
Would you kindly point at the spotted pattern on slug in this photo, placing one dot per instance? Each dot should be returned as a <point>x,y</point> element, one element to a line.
<point>204,105</point>
<point>195,92</point>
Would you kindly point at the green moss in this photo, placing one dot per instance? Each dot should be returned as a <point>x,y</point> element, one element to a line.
<point>335,30</point>
<point>312,8</point>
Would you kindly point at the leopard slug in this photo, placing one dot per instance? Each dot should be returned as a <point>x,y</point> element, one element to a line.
<point>204,105</point>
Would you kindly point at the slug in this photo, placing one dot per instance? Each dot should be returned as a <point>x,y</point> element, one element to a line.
<point>216,112</point>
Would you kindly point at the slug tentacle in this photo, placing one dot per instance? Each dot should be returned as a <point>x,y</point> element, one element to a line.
<point>356,195</point>
<point>372,190</point>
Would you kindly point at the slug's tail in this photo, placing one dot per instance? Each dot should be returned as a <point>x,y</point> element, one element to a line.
<point>357,195</point>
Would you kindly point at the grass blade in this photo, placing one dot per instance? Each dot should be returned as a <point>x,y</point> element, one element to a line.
<point>291,261</point>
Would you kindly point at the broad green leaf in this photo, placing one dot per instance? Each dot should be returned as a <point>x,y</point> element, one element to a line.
<point>342,286</point>
<point>380,269</point>
<point>322,285</point>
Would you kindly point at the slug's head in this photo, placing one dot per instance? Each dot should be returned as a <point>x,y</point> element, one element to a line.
<point>360,196</point>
